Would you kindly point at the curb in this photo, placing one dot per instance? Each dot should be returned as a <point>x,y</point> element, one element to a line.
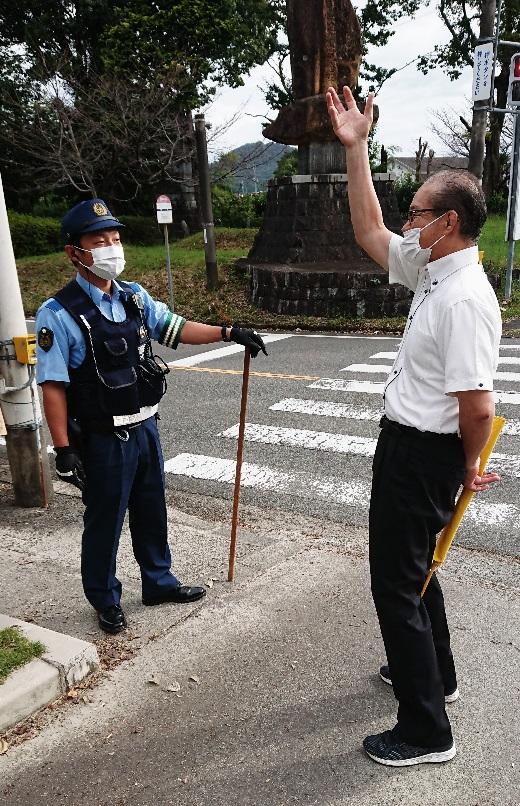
<point>63,665</point>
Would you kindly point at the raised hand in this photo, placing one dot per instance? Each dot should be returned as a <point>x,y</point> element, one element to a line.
<point>350,125</point>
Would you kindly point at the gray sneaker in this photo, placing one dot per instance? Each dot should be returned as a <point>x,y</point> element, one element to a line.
<point>384,674</point>
<point>386,748</point>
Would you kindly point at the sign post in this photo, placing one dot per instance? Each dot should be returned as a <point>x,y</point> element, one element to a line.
<point>165,217</point>
<point>482,71</point>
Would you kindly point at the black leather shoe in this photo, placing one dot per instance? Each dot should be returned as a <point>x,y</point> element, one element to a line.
<point>182,594</point>
<point>112,619</point>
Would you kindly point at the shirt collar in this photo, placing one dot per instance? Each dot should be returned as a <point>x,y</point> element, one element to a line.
<point>96,294</point>
<point>439,269</point>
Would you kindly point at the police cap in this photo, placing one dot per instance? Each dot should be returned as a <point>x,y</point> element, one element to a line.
<point>87,216</point>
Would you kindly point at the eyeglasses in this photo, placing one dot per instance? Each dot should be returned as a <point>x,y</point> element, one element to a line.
<point>413,213</point>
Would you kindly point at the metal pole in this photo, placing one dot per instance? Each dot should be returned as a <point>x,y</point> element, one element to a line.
<point>479,122</point>
<point>168,266</point>
<point>26,452</point>
<point>512,211</point>
<point>205,204</point>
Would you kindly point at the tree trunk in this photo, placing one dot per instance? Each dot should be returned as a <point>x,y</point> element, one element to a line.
<point>492,176</point>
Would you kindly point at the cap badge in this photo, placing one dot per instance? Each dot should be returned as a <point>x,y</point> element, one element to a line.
<point>100,209</point>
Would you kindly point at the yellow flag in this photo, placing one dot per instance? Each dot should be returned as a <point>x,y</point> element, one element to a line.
<point>448,533</point>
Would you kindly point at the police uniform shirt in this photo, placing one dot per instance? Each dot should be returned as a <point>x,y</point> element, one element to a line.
<point>450,343</point>
<point>67,345</point>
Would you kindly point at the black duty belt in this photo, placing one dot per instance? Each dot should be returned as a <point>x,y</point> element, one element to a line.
<point>398,430</point>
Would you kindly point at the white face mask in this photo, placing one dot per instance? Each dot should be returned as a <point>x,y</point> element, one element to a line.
<point>109,261</point>
<point>411,248</point>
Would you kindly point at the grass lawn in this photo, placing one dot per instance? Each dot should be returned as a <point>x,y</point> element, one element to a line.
<point>15,651</point>
<point>40,277</point>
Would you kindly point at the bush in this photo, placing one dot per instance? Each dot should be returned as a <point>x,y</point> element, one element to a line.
<point>141,230</point>
<point>497,204</point>
<point>405,189</point>
<point>32,235</point>
<point>231,210</point>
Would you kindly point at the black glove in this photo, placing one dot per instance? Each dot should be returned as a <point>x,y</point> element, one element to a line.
<point>249,338</point>
<point>69,467</point>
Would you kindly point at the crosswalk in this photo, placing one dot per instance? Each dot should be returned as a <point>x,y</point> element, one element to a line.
<point>354,403</point>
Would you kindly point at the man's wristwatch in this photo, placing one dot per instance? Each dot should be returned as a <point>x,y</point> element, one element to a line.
<point>223,331</point>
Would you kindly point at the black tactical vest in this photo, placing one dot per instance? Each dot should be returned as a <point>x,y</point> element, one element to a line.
<point>119,374</point>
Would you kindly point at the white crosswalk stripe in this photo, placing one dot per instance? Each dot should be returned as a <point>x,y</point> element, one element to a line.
<point>210,468</point>
<point>384,368</point>
<point>302,438</point>
<point>323,408</point>
<point>340,385</point>
<point>360,402</point>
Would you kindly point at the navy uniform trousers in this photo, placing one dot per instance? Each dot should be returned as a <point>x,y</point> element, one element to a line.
<point>415,481</point>
<point>120,476</point>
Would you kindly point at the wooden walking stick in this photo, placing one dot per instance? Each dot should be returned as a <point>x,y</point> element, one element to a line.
<point>240,450</point>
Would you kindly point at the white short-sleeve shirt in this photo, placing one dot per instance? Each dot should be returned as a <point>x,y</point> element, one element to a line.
<point>450,343</point>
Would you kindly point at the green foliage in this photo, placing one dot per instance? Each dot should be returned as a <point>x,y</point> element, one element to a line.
<point>248,168</point>
<point>232,210</point>
<point>377,19</point>
<point>219,41</point>
<point>32,235</point>
<point>405,189</point>
<point>223,170</point>
<point>497,204</point>
<point>141,230</point>
<point>98,94</point>
<point>287,164</point>
<point>16,650</point>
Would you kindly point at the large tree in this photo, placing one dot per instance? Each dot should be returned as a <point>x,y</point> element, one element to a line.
<point>461,18</point>
<point>85,60</point>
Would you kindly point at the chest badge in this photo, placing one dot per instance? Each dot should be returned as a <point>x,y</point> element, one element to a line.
<point>45,339</point>
<point>142,332</point>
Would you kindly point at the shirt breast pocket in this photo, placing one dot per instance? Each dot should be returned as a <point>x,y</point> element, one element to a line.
<point>420,348</point>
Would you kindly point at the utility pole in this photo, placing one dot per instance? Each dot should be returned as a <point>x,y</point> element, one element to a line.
<point>479,122</point>
<point>205,204</point>
<point>26,450</point>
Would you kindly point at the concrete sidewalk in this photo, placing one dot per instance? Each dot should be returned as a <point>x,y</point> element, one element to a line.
<point>261,694</point>
<point>65,663</point>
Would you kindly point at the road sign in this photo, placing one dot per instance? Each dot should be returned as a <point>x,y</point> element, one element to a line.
<point>164,210</point>
<point>482,70</point>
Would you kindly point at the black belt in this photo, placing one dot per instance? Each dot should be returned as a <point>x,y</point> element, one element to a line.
<point>398,430</point>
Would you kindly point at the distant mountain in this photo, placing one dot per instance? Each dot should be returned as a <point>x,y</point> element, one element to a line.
<point>250,166</point>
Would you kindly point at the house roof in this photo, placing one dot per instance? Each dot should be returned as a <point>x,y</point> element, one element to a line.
<point>437,164</point>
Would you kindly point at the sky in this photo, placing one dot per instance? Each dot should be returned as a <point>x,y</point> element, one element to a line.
<point>405,101</point>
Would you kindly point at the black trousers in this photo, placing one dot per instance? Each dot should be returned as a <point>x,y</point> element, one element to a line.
<point>414,486</point>
<point>121,476</point>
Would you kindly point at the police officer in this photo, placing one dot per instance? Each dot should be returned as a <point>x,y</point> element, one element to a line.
<point>101,386</point>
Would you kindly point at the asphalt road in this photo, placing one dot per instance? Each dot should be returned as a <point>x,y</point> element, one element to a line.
<point>308,446</point>
<point>261,694</point>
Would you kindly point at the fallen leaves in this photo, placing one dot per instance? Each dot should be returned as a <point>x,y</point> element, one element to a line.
<point>171,686</point>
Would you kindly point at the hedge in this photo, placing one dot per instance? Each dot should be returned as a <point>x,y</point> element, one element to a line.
<point>33,236</point>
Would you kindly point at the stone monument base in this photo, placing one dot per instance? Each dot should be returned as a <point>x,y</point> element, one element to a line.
<point>305,259</point>
<point>325,289</point>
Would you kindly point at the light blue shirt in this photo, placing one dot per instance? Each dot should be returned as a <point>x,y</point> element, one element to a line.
<point>68,347</point>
